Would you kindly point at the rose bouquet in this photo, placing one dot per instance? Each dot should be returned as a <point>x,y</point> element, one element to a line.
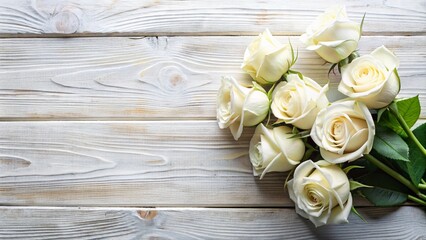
<point>362,144</point>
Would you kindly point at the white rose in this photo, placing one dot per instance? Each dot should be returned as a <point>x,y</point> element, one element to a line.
<point>239,105</point>
<point>321,193</point>
<point>298,101</point>
<point>273,150</point>
<point>266,59</point>
<point>332,35</point>
<point>344,131</point>
<point>372,79</point>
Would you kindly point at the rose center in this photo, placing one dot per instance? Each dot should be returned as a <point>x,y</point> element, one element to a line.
<point>367,76</point>
<point>313,198</point>
<point>338,130</point>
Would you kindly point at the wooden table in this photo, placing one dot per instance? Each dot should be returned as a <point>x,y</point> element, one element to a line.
<point>108,127</point>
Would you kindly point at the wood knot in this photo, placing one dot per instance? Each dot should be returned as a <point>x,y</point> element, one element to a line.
<point>147,215</point>
<point>67,21</point>
<point>9,163</point>
<point>172,78</point>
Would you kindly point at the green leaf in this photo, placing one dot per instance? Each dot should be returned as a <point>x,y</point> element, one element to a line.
<point>289,175</point>
<point>380,112</point>
<point>417,165</point>
<point>302,134</point>
<point>349,168</point>
<point>258,87</point>
<point>399,79</point>
<point>389,144</point>
<point>358,214</point>
<point>290,71</point>
<point>331,68</point>
<point>381,179</point>
<point>271,90</point>
<point>342,63</point>
<point>361,25</point>
<point>355,185</point>
<point>386,191</point>
<point>384,197</point>
<point>409,109</point>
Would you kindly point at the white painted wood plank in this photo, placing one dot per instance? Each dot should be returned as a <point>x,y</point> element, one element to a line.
<point>159,163</point>
<point>152,78</point>
<point>192,223</point>
<point>199,17</point>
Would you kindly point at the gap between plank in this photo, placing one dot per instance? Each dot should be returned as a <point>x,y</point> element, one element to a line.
<point>183,34</point>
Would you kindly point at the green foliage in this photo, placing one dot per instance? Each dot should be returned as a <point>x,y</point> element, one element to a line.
<point>390,145</point>
<point>386,191</point>
<point>294,56</point>
<point>361,25</point>
<point>350,167</point>
<point>301,134</point>
<point>355,185</point>
<point>384,197</point>
<point>290,71</point>
<point>417,165</point>
<point>358,214</point>
<point>409,109</point>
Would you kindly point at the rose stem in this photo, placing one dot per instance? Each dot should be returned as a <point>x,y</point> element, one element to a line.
<point>416,200</point>
<point>422,186</point>
<point>394,110</point>
<point>394,174</point>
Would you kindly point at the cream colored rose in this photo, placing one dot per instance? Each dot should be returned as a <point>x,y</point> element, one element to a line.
<point>321,193</point>
<point>240,104</point>
<point>266,59</point>
<point>372,79</point>
<point>273,150</point>
<point>344,131</point>
<point>298,101</point>
<point>332,35</point>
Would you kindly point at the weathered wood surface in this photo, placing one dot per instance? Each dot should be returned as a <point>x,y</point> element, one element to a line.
<point>152,78</point>
<point>219,17</point>
<point>158,163</point>
<point>189,223</point>
<point>148,163</point>
<point>155,141</point>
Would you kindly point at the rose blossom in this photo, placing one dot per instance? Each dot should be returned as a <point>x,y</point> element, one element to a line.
<point>240,104</point>
<point>372,79</point>
<point>321,192</point>
<point>298,101</point>
<point>273,150</point>
<point>344,131</point>
<point>266,59</point>
<point>332,35</point>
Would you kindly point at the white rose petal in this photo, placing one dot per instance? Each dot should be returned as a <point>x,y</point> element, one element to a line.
<point>240,104</point>
<point>298,101</point>
<point>344,131</point>
<point>272,150</point>
<point>321,192</point>
<point>372,79</point>
<point>332,35</point>
<point>266,60</point>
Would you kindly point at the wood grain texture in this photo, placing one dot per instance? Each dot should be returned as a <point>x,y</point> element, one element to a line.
<point>152,78</point>
<point>218,17</point>
<point>192,223</point>
<point>159,163</point>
